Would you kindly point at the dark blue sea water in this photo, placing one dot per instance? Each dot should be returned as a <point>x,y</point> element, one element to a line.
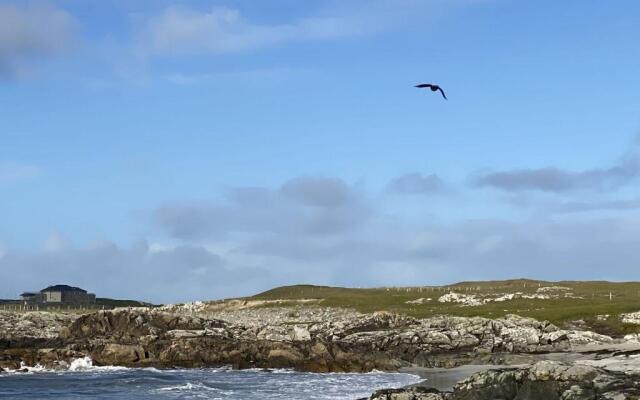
<point>83,381</point>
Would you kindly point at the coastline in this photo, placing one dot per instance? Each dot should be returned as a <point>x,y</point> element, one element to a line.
<point>447,350</point>
<point>340,343</point>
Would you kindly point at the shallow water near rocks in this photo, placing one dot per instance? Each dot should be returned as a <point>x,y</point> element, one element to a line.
<point>220,383</point>
<point>444,379</point>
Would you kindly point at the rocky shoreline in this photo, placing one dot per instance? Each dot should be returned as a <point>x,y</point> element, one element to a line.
<point>314,339</point>
<point>548,380</point>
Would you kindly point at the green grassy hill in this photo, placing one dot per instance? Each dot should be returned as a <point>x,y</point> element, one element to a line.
<point>591,299</point>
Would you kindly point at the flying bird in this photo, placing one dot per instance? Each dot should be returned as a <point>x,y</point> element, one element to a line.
<point>434,88</point>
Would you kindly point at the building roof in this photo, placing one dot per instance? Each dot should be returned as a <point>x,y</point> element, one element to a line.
<point>63,288</point>
<point>27,294</point>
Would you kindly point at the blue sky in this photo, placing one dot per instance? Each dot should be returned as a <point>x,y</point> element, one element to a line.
<point>215,149</point>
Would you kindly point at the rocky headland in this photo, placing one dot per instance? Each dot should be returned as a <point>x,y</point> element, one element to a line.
<point>320,339</point>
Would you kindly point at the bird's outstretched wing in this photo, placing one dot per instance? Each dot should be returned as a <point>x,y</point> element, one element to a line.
<point>423,85</point>
<point>442,91</point>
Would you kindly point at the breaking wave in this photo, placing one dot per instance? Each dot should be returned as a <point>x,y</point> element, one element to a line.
<point>86,364</point>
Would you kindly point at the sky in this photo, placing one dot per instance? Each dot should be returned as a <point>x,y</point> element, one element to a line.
<point>172,151</point>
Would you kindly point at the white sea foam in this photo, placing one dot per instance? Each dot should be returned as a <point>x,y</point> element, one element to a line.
<point>81,364</point>
<point>35,368</point>
<point>26,369</point>
<point>152,369</point>
<point>199,387</point>
<point>85,364</point>
<point>179,388</point>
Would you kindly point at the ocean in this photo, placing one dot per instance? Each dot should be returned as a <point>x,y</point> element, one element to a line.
<point>85,381</point>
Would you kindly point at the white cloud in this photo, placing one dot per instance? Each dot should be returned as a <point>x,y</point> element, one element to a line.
<point>182,30</point>
<point>29,33</point>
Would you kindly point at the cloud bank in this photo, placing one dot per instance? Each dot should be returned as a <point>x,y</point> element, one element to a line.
<point>302,206</point>
<point>380,247</point>
<point>181,30</point>
<point>556,180</point>
<point>325,230</point>
<point>386,253</point>
<point>142,273</point>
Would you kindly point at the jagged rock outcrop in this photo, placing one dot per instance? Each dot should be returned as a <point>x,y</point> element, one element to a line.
<point>414,393</point>
<point>548,380</point>
<point>347,342</point>
<point>35,325</point>
<point>631,318</point>
<point>632,337</point>
<point>474,300</point>
<point>29,337</point>
<point>127,325</point>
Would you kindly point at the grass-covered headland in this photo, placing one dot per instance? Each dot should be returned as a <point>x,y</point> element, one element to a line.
<point>597,304</point>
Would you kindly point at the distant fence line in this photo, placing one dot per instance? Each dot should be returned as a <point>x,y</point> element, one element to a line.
<point>526,285</point>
